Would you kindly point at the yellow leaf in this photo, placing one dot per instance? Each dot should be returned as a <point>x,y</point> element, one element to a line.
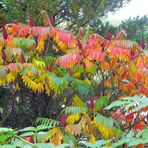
<point>10,77</point>
<point>39,64</point>
<point>30,83</point>
<point>47,88</point>
<point>105,131</point>
<point>63,101</point>
<point>56,140</point>
<point>52,133</point>
<point>77,101</point>
<point>40,88</point>
<point>40,46</point>
<point>71,119</point>
<point>87,81</point>
<point>62,46</point>
<point>55,136</point>
<point>92,139</point>
<point>17,87</point>
<point>2,81</point>
<point>108,144</point>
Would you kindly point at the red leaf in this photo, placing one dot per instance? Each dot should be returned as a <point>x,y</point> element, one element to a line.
<point>69,59</point>
<point>16,23</point>
<point>5,35</point>
<point>140,126</point>
<point>118,115</point>
<point>130,116</point>
<point>52,20</point>
<point>142,44</point>
<point>121,35</point>
<point>63,120</point>
<point>92,103</point>
<point>31,21</point>
<point>115,35</point>
<point>50,66</point>
<point>141,145</point>
<point>79,44</point>
<point>108,35</point>
<point>3,54</point>
<point>29,139</point>
<point>22,58</point>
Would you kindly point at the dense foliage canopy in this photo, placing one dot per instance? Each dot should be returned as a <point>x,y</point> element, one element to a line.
<point>102,82</point>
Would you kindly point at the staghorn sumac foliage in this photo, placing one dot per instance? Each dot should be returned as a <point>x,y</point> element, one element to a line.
<point>95,71</point>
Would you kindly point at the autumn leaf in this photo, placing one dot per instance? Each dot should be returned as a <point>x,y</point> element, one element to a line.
<point>71,119</point>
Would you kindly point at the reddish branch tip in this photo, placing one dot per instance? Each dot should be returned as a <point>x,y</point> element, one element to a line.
<point>31,21</point>
<point>3,55</point>
<point>115,35</point>
<point>22,58</point>
<point>92,103</point>
<point>52,20</point>
<point>5,35</point>
<point>70,72</point>
<point>29,139</point>
<point>63,120</point>
<point>50,66</point>
<point>108,35</point>
<point>79,44</point>
<point>142,44</point>
<point>16,23</point>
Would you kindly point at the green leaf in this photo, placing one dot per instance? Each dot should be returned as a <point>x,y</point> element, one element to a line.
<point>75,109</point>
<point>27,134</point>
<point>33,70</point>
<point>135,142</point>
<point>58,83</point>
<point>5,134</point>
<point>18,143</point>
<point>80,86</point>
<point>49,59</point>
<point>27,129</point>
<point>2,129</point>
<point>117,132</point>
<point>140,106</point>
<point>145,133</point>
<point>42,127</point>
<point>119,143</point>
<point>98,143</point>
<point>63,146</point>
<point>130,101</point>
<point>27,146</point>
<point>101,102</point>
<point>68,138</point>
<point>7,146</point>
<point>40,136</point>
<point>117,104</point>
<point>130,134</point>
<point>104,120</point>
<point>44,145</point>
<point>46,121</point>
<point>139,134</point>
<point>23,43</point>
